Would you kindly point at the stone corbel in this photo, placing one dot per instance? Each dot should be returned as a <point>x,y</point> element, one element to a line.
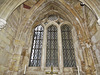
<point>2,23</point>
<point>98,21</point>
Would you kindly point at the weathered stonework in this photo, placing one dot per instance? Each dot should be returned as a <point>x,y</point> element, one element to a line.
<point>17,26</point>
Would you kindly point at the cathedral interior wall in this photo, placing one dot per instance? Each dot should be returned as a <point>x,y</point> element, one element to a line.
<point>15,45</point>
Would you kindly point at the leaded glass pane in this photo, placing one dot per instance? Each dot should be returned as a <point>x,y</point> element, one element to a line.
<point>52,17</point>
<point>35,59</point>
<point>52,47</point>
<point>68,48</point>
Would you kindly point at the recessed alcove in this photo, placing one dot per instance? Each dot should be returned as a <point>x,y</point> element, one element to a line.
<point>69,34</point>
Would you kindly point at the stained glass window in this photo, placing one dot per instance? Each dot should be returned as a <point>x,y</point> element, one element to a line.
<point>52,47</point>
<point>68,48</point>
<point>35,59</point>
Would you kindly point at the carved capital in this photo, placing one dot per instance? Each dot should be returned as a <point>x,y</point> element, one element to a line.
<point>2,23</point>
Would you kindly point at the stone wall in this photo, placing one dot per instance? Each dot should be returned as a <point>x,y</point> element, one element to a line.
<point>94,31</point>
<point>6,46</point>
<point>16,37</point>
<point>7,35</point>
<point>96,48</point>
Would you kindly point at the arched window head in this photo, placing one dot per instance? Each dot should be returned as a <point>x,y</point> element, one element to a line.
<point>51,48</point>
<point>67,46</point>
<point>35,58</point>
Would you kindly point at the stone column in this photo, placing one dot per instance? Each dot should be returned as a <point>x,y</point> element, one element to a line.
<point>60,52</point>
<point>43,58</point>
<point>88,65</point>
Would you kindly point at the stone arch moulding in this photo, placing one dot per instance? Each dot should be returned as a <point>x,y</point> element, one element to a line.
<point>4,12</point>
<point>64,14</point>
<point>36,10</point>
<point>51,23</point>
<point>41,2</point>
<point>56,11</point>
<point>66,23</point>
<point>93,7</point>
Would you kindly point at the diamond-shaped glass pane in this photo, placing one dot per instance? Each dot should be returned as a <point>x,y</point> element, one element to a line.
<point>67,45</point>
<point>35,59</point>
<point>52,47</point>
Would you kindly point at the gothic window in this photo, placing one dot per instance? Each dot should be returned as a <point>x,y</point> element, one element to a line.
<point>35,58</point>
<point>67,46</point>
<point>52,47</point>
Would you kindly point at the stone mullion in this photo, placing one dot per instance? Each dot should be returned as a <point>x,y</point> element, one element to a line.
<point>43,58</point>
<point>60,52</point>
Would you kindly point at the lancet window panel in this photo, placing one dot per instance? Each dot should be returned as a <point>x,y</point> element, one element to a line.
<point>52,47</point>
<point>67,46</point>
<point>35,58</point>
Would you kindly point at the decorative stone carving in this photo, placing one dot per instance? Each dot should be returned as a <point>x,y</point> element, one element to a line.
<point>2,23</point>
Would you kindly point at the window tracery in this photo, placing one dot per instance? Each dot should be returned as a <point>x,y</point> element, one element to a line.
<point>52,50</point>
